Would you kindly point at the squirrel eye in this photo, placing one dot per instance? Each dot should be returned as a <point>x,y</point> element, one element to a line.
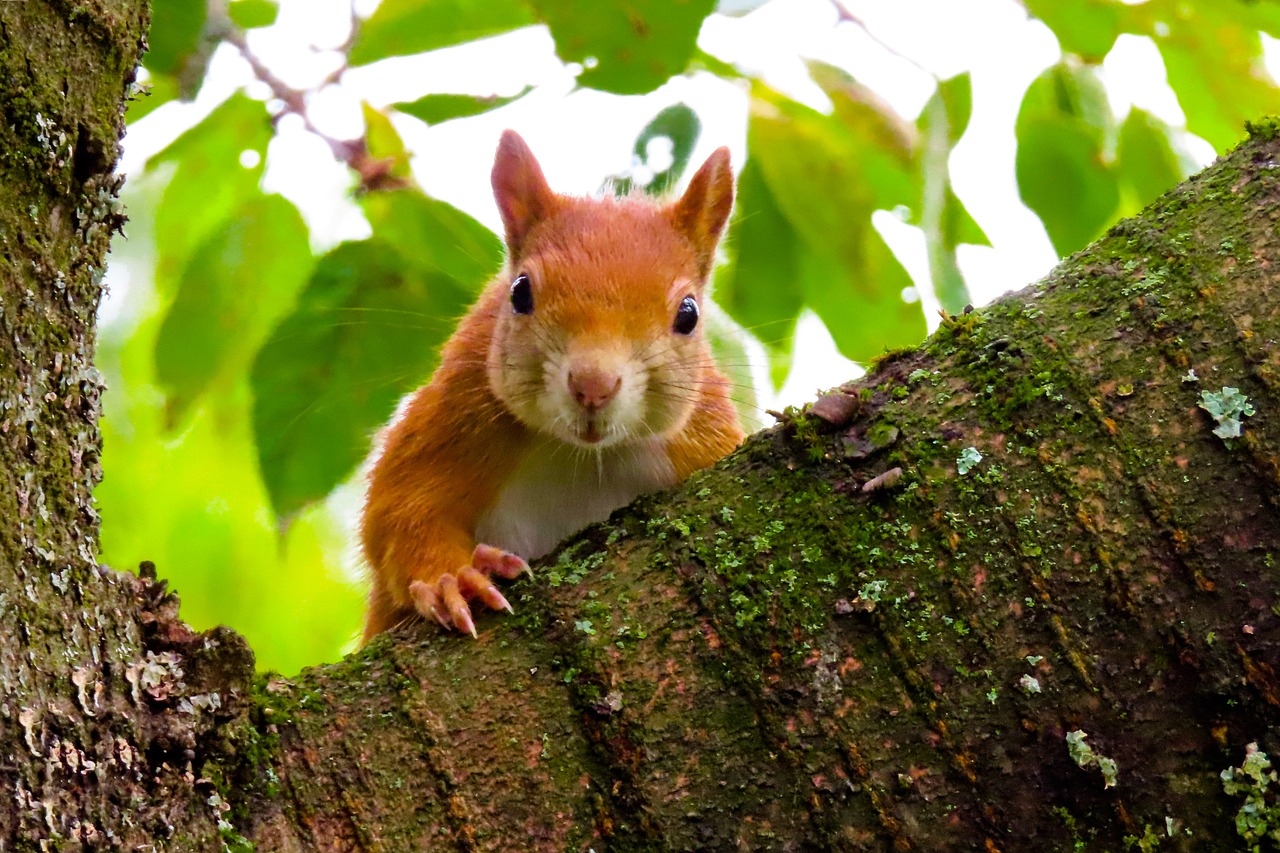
<point>522,295</point>
<point>686,316</point>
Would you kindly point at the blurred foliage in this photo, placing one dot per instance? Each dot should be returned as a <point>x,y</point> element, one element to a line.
<point>676,130</point>
<point>434,109</point>
<point>252,369</point>
<point>1076,167</point>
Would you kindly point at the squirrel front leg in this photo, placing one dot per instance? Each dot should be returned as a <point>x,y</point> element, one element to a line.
<point>436,473</point>
<point>425,565</point>
<point>446,597</point>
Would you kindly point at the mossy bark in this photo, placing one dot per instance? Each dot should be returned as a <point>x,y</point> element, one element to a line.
<point>93,665</point>
<point>773,655</point>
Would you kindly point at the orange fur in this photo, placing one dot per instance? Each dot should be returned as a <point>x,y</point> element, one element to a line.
<point>607,277</point>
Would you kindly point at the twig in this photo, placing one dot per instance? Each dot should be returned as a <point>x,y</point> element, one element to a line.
<point>375,173</point>
<point>294,100</point>
<point>845,15</point>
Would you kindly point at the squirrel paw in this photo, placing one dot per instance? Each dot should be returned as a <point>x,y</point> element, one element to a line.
<point>445,598</point>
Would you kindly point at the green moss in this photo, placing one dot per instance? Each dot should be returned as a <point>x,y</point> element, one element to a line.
<point>1264,129</point>
<point>889,357</point>
<point>774,589</point>
<point>1148,842</point>
<point>956,331</point>
<point>807,430</point>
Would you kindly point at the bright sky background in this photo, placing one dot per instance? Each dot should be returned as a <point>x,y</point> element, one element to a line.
<point>580,136</point>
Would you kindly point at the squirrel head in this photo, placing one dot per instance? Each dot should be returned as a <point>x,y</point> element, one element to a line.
<point>599,338</point>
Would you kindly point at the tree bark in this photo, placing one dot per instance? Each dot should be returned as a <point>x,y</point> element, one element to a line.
<point>94,753</point>
<point>779,654</point>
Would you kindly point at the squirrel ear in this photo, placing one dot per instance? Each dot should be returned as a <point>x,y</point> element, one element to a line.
<point>520,188</point>
<point>701,213</point>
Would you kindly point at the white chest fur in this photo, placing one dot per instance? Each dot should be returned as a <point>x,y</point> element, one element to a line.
<point>560,489</point>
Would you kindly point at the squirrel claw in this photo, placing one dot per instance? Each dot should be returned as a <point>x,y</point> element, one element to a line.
<point>456,604</point>
<point>495,561</point>
<point>446,598</point>
<point>426,600</point>
<point>443,601</point>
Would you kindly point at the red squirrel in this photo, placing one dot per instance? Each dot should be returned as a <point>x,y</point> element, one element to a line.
<point>580,379</point>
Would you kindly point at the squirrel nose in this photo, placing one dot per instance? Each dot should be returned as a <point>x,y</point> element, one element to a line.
<point>593,388</point>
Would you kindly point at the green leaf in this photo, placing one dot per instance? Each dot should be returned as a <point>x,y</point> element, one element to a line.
<point>1066,136</point>
<point>1087,28</point>
<point>434,236</point>
<point>248,14</point>
<point>943,218</point>
<point>958,226</point>
<point>863,323</point>
<point>404,27</point>
<point>882,144</point>
<point>176,26</point>
<point>729,349</point>
<point>235,287</point>
<point>759,286</point>
<point>681,127</point>
<point>854,162</point>
<point>1074,92</point>
<point>802,236</point>
<point>850,168</point>
<point>195,504</point>
<point>1216,68</point>
<point>367,330</point>
<point>822,194</point>
<point>679,124</point>
<point>1212,53</point>
<point>703,61</point>
<point>209,183</point>
<point>1260,16</point>
<point>955,95</point>
<point>1062,177</point>
<point>384,142</point>
<point>1145,157</point>
<point>627,47</point>
<point>434,109</point>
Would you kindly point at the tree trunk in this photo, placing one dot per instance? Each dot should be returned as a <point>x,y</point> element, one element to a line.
<point>94,752</point>
<point>1063,642</point>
